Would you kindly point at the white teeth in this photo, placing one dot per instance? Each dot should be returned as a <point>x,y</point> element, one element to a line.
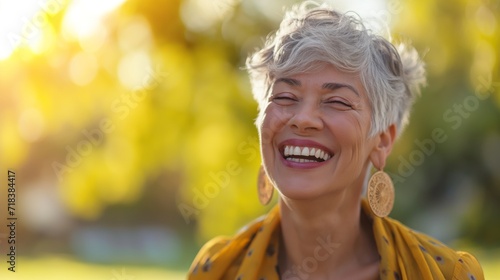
<point>305,151</point>
<point>318,152</point>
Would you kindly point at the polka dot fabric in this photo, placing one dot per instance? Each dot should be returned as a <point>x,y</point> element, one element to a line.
<point>404,254</point>
<point>251,254</point>
<point>413,255</point>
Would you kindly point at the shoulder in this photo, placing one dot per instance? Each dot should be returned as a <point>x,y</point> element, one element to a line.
<point>224,252</point>
<point>427,251</point>
<point>467,267</point>
<point>211,248</point>
<point>205,256</point>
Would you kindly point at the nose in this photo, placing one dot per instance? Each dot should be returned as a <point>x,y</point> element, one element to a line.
<point>306,118</point>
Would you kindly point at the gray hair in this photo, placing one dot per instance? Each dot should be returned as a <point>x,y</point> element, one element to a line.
<point>392,76</point>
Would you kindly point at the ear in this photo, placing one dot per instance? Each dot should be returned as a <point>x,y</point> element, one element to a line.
<point>383,146</point>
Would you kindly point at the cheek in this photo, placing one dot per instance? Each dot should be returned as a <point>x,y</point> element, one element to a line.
<point>272,120</point>
<point>351,133</point>
<point>361,141</point>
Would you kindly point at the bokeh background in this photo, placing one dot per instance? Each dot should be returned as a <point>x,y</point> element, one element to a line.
<point>129,125</point>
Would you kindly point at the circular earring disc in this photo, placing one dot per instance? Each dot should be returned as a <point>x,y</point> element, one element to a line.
<point>381,194</point>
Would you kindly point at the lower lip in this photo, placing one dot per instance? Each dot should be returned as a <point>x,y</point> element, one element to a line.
<point>302,165</point>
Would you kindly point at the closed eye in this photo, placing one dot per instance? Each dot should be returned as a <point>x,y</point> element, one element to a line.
<point>284,99</point>
<point>338,102</point>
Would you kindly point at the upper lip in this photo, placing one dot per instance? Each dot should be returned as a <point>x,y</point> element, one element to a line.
<point>303,143</point>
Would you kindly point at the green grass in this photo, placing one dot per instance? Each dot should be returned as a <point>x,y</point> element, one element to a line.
<point>62,268</point>
<point>59,268</point>
<point>490,261</point>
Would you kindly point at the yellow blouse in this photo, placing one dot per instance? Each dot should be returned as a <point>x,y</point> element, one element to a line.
<point>405,254</point>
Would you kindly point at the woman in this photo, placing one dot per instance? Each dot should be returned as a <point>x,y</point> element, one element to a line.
<point>333,98</point>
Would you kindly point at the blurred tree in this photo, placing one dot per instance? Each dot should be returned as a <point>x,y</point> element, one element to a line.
<point>460,179</point>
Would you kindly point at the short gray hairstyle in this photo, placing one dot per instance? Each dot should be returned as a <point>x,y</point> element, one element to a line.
<point>307,37</point>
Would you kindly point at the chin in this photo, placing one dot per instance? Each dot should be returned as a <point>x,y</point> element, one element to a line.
<point>299,189</point>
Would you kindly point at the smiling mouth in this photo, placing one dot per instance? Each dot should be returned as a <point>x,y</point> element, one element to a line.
<point>305,154</point>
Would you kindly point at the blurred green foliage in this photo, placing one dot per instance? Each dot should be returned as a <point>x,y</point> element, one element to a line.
<point>458,185</point>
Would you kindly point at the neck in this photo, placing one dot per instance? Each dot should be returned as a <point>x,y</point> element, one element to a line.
<point>325,238</point>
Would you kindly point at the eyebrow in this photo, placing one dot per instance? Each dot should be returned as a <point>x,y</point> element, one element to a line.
<point>334,86</point>
<point>330,86</point>
<point>289,81</point>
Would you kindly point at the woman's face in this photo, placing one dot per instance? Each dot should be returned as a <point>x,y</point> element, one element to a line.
<point>314,133</point>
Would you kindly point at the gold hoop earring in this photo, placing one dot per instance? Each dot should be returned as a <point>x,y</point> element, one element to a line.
<point>264,187</point>
<point>380,194</point>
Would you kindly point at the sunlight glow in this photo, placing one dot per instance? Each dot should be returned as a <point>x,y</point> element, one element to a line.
<point>135,34</point>
<point>377,15</point>
<point>17,24</point>
<point>207,13</point>
<point>83,68</point>
<point>84,17</point>
<point>132,69</point>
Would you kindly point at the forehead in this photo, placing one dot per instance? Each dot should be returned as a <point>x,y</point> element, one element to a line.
<point>320,76</point>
